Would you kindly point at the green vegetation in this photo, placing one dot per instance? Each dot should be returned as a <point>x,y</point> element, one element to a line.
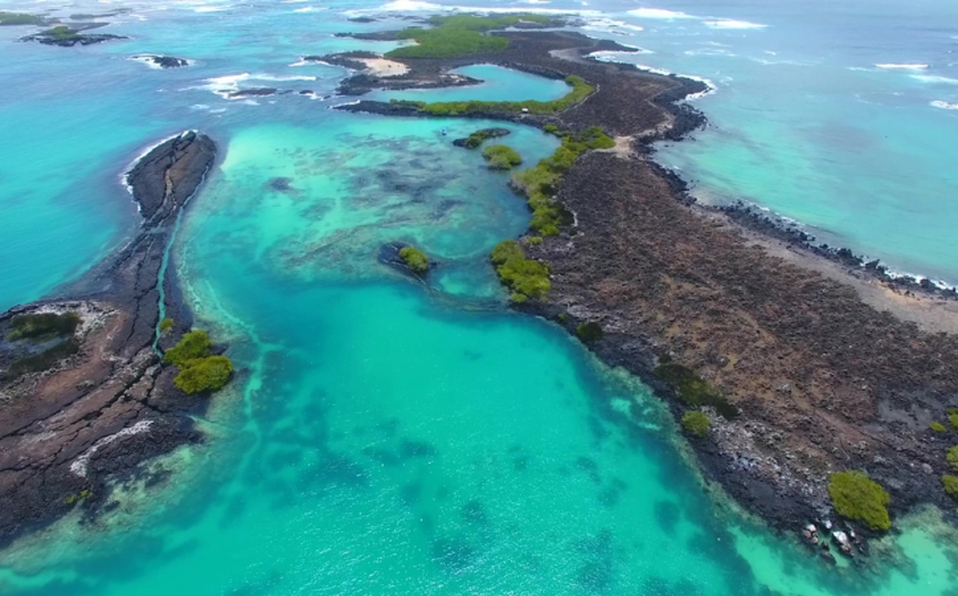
<point>480,136</point>
<point>953,419</point>
<point>501,157</point>
<point>858,497</point>
<point>42,361</point>
<point>951,485</point>
<point>193,345</point>
<point>204,374</point>
<point>541,182</point>
<point>415,259</point>
<point>43,325</point>
<point>199,370</point>
<point>952,457</point>
<point>166,325</point>
<point>589,332</point>
<point>526,278</point>
<point>580,90</point>
<point>78,498</point>
<point>458,35</point>
<point>696,423</point>
<point>61,33</point>
<point>20,18</point>
<point>938,427</point>
<point>551,129</point>
<point>692,389</point>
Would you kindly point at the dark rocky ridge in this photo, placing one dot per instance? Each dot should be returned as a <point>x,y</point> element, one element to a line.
<point>95,416</point>
<point>823,381</point>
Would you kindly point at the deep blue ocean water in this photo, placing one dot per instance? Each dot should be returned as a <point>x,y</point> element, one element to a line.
<point>382,437</point>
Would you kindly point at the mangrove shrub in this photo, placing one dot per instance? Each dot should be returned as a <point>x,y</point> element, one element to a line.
<point>193,345</point>
<point>204,374</point>
<point>692,389</point>
<point>415,259</point>
<point>501,157</point>
<point>589,332</point>
<point>696,423</point>
<point>952,457</point>
<point>526,278</point>
<point>951,485</point>
<point>199,369</point>
<point>858,497</point>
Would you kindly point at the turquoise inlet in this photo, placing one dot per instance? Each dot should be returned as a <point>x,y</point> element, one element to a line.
<point>385,435</point>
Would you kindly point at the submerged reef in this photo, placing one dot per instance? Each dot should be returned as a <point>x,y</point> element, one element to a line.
<point>800,370</point>
<point>84,396</point>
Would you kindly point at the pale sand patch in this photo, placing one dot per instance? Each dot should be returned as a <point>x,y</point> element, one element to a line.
<point>930,313</point>
<point>381,67</point>
<point>623,147</point>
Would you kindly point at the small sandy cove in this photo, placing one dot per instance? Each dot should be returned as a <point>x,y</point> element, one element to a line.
<point>381,67</point>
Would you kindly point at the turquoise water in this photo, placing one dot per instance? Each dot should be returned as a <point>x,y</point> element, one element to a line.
<point>382,436</point>
<point>499,84</point>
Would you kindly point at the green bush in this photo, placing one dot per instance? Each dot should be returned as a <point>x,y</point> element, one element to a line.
<point>198,370</point>
<point>857,497</point>
<point>458,35</point>
<point>45,325</point>
<point>953,420</point>
<point>480,136</point>
<point>952,457</point>
<point>204,374</point>
<point>551,129</point>
<point>526,278</point>
<point>938,427</point>
<point>696,423</point>
<point>19,18</point>
<point>415,259</point>
<point>61,33</point>
<point>693,390</point>
<point>501,157</point>
<point>539,183</point>
<point>580,90</point>
<point>589,332</point>
<point>951,485</point>
<point>193,345</point>
<point>166,325</point>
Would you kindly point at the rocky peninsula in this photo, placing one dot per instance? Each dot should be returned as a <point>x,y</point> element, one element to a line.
<point>804,364</point>
<point>84,396</point>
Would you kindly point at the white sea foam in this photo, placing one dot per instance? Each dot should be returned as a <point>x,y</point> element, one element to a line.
<point>901,66</point>
<point>226,85</point>
<point>934,79</point>
<point>943,105</point>
<point>610,57</point>
<point>312,9</point>
<point>141,155</point>
<point>148,60</point>
<point>79,465</point>
<point>610,26</point>
<point>733,24</point>
<point>659,13</point>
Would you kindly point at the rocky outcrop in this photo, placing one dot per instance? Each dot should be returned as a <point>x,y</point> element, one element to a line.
<point>76,420</point>
<point>820,380</point>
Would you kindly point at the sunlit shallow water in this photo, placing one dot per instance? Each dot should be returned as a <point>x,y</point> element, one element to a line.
<point>381,435</point>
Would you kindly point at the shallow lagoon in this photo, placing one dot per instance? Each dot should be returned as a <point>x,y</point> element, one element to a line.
<point>383,436</point>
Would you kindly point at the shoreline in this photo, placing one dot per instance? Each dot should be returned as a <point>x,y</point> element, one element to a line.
<point>88,404</point>
<point>788,334</point>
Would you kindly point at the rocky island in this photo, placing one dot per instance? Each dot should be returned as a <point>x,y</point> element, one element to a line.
<point>789,365</point>
<point>85,395</point>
